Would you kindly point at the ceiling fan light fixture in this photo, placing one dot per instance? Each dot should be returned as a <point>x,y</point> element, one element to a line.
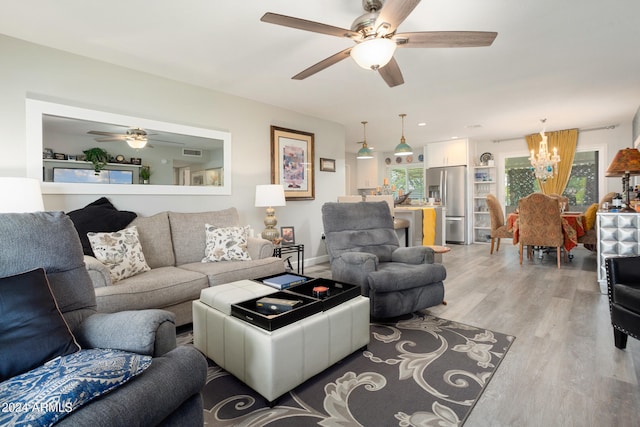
<point>373,53</point>
<point>403,149</point>
<point>136,143</point>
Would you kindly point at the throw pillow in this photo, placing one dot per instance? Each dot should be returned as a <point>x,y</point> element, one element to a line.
<point>48,393</point>
<point>32,329</point>
<point>99,216</point>
<point>120,252</point>
<point>590,216</point>
<point>226,244</point>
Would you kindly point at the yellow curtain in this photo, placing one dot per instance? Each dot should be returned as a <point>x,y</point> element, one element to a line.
<point>565,141</point>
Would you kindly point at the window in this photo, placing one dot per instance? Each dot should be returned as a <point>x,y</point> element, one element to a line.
<point>582,189</point>
<point>408,179</point>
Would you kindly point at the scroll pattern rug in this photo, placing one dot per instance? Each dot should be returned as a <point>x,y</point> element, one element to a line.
<point>419,371</point>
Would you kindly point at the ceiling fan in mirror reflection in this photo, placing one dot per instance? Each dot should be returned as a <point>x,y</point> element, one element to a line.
<point>135,137</point>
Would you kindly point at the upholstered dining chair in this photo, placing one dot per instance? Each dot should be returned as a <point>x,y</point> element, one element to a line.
<point>623,283</point>
<point>540,223</point>
<point>498,227</point>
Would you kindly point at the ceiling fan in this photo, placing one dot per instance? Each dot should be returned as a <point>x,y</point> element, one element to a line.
<point>134,137</point>
<point>376,39</point>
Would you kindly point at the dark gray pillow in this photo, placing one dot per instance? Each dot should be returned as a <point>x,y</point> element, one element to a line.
<point>101,217</point>
<point>32,329</point>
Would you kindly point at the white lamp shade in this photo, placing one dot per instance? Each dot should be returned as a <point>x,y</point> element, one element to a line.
<point>19,195</point>
<point>270,195</point>
<point>374,53</point>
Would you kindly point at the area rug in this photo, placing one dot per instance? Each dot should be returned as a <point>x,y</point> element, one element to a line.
<point>419,371</point>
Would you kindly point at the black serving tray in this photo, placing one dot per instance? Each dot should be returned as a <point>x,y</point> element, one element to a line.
<point>339,292</point>
<point>246,311</point>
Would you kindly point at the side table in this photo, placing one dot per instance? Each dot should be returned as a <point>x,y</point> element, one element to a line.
<point>289,249</point>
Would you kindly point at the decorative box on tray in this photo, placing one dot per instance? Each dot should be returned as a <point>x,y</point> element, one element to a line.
<point>312,302</point>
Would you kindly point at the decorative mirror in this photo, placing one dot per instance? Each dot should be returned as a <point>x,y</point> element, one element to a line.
<point>80,151</point>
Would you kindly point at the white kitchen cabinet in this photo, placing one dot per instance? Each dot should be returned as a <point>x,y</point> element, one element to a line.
<point>367,173</point>
<point>446,153</point>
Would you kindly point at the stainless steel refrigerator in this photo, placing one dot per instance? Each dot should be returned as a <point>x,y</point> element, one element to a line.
<point>449,185</point>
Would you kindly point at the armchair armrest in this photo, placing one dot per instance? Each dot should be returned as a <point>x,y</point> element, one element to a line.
<point>354,268</point>
<point>149,332</point>
<point>413,255</point>
<point>99,274</point>
<point>259,248</point>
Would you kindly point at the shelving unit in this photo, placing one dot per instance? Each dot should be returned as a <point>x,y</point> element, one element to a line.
<point>484,183</point>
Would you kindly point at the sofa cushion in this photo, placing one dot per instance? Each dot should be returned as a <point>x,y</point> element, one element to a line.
<point>231,271</point>
<point>120,252</point>
<point>188,232</point>
<point>158,288</point>
<point>50,392</point>
<point>98,216</point>
<point>225,244</point>
<point>32,329</point>
<point>154,233</point>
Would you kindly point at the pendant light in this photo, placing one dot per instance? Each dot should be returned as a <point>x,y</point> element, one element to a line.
<point>403,149</point>
<point>365,152</point>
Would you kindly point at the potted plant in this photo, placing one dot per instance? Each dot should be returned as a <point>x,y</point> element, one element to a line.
<point>98,156</point>
<point>145,174</point>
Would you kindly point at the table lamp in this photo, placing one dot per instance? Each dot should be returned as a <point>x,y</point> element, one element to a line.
<point>624,164</point>
<point>19,195</point>
<point>268,196</point>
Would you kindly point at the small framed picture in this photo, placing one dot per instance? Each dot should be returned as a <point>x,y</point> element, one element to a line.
<point>288,235</point>
<point>327,165</point>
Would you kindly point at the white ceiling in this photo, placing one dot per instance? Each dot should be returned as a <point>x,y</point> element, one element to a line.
<point>574,62</point>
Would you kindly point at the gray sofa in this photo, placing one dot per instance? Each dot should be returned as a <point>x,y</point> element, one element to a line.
<point>166,393</point>
<point>173,245</point>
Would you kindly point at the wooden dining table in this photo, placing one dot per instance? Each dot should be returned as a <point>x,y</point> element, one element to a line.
<point>573,226</point>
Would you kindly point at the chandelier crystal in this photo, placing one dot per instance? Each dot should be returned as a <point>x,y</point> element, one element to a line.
<point>544,164</point>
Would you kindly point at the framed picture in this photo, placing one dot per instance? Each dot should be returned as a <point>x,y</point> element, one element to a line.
<point>288,235</point>
<point>292,162</point>
<point>214,176</point>
<point>327,165</point>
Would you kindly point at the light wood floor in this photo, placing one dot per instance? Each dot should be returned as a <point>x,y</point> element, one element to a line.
<point>562,369</point>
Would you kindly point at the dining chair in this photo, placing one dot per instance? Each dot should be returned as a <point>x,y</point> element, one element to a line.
<point>499,229</point>
<point>540,223</point>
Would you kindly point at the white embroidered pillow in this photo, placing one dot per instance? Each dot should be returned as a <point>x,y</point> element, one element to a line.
<point>226,244</point>
<point>120,252</point>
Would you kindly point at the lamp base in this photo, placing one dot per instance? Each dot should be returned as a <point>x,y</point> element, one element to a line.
<point>270,233</point>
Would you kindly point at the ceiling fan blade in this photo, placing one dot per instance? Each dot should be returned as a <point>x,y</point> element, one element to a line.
<point>110,138</point>
<point>96,132</point>
<point>392,14</point>
<point>391,73</point>
<point>325,63</point>
<point>303,24</point>
<point>445,39</point>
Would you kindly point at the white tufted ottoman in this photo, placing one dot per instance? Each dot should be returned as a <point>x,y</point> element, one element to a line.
<point>273,363</point>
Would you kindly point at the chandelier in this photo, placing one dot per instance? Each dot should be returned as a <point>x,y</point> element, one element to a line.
<point>544,164</point>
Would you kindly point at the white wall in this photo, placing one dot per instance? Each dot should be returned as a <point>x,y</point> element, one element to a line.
<point>30,70</point>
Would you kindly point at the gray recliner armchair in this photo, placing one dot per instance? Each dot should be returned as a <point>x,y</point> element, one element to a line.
<point>363,249</point>
<point>168,391</point>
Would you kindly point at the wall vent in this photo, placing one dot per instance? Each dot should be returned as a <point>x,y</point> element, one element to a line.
<point>192,152</point>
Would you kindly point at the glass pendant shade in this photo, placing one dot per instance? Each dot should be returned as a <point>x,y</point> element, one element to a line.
<point>365,152</point>
<point>373,53</point>
<point>403,149</point>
